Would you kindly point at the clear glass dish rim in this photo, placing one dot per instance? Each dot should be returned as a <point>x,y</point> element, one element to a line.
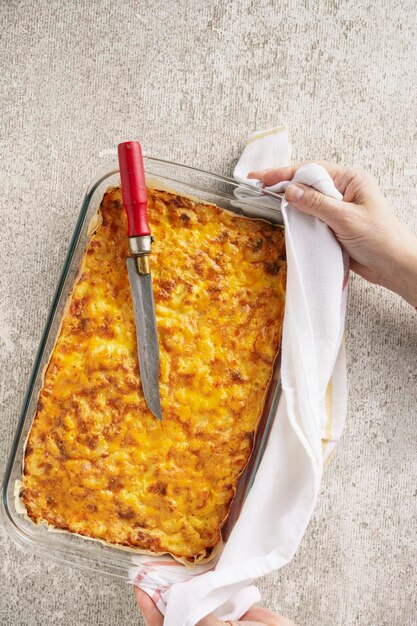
<point>260,191</point>
<point>97,180</point>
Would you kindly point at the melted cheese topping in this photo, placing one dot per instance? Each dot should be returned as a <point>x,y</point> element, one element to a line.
<point>97,462</point>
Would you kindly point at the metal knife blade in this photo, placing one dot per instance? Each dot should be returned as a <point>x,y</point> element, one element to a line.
<point>147,335</point>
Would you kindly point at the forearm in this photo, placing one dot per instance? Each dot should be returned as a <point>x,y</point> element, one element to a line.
<point>402,277</point>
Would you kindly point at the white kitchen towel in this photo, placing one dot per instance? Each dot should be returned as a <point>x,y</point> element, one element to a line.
<point>309,419</point>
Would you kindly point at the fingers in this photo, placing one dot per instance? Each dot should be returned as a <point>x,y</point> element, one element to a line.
<point>273,176</point>
<point>310,201</point>
<point>256,616</point>
<point>342,176</point>
<point>248,623</point>
<point>150,613</point>
<point>210,620</point>
<point>265,616</point>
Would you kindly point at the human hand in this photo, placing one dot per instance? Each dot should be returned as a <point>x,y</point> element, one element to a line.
<point>381,249</point>
<point>256,616</point>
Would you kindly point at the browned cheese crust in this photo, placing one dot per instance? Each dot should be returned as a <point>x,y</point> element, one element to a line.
<point>97,462</point>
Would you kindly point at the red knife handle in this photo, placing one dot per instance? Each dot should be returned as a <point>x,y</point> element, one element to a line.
<point>134,194</point>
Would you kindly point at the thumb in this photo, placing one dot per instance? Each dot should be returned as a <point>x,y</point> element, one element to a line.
<point>150,613</point>
<point>310,201</point>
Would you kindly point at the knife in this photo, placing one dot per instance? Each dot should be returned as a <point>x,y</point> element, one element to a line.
<point>135,202</point>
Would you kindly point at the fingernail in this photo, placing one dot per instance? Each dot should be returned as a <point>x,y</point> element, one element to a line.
<point>294,193</point>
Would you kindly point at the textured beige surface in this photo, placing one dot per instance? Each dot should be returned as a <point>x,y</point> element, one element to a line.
<point>191,80</point>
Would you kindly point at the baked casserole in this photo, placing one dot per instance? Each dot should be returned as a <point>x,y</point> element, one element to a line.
<point>97,462</point>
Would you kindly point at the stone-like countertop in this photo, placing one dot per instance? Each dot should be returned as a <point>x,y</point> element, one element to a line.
<point>191,79</point>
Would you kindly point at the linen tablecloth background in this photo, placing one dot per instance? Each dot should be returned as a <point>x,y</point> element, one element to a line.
<point>191,80</point>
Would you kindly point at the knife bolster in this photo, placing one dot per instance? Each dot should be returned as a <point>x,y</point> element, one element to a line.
<point>140,245</point>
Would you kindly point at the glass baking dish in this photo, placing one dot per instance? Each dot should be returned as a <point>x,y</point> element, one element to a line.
<point>63,546</point>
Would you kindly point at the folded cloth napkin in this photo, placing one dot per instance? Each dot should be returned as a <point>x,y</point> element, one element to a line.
<point>308,422</point>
